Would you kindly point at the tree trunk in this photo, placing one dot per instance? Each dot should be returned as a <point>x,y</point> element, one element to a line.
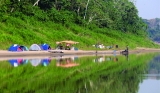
<point>78,10</point>
<point>91,18</point>
<point>86,10</point>
<point>36,3</point>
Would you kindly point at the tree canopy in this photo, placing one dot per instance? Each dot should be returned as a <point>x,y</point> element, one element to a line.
<point>120,15</point>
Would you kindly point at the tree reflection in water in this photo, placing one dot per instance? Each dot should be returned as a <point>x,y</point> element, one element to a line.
<point>86,77</point>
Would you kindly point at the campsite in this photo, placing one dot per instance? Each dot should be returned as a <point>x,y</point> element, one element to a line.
<point>61,45</point>
<point>33,47</point>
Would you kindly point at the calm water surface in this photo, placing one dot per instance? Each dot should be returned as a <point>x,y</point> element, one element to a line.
<point>151,82</point>
<point>134,73</point>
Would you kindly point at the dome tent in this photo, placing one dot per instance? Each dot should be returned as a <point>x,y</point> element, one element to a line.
<point>14,47</point>
<point>35,47</point>
<point>23,48</point>
<point>45,47</point>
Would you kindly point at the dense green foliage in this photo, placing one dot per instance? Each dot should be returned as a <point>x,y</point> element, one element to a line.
<point>89,77</point>
<point>153,28</point>
<point>87,21</point>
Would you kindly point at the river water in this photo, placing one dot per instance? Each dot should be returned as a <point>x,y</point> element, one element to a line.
<point>133,73</point>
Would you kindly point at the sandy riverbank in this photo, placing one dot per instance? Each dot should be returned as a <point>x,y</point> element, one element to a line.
<point>5,53</point>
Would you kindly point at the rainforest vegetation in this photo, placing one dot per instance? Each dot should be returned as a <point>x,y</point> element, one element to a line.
<point>107,22</point>
<point>153,29</point>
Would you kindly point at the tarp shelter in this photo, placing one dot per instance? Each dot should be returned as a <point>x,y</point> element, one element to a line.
<point>45,46</point>
<point>15,62</point>
<point>14,47</point>
<point>35,62</point>
<point>69,42</point>
<point>45,62</point>
<point>35,47</point>
<point>24,48</point>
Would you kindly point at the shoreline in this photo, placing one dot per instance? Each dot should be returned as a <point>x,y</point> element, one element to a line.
<point>5,53</point>
<point>53,54</point>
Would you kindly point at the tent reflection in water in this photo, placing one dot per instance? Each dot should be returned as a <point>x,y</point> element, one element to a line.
<point>25,61</point>
<point>66,62</point>
<point>15,62</point>
<point>45,62</point>
<point>35,62</point>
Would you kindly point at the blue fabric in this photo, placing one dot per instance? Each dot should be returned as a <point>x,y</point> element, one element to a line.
<point>14,48</point>
<point>45,62</point>
<point>45,46</point>
<point>75,48</point>
<point>13,61</point>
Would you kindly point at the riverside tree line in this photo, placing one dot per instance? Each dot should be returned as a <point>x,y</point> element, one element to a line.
<point>120,15</point>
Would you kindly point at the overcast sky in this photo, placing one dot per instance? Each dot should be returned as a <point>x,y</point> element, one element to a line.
<point>148,9</point>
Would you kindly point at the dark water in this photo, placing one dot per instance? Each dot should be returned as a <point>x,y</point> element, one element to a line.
<point>134,73</point>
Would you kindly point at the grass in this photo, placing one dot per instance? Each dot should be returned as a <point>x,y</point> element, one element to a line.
<point>28,31</point>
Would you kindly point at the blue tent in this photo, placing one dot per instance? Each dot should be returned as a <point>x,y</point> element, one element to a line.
<point>45,46</point>
<point>14,47</point>
<point>45,62</point>
<point>15,62</point>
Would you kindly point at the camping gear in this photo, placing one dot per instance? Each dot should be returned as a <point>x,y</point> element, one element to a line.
<point>45,47</point>
<point>68,45</point>
<point>69,42</point>
<point>24,48</point>
<point>35,47</point>
<point>14,47</point>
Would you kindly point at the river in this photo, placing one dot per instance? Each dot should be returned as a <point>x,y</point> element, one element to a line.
<point>133,73</point>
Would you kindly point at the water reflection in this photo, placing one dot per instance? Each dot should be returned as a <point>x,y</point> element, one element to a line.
<point>62,61</point>
<point>151,81</point>
<point>66,61</point>
<point>99,59</point>
<point>105,59</point>
<point>16,62</point>
<point>114,74</point>
<point>45,62</point>
<point>34,62</point>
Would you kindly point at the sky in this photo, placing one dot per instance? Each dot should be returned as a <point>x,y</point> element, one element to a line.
<point>148,9</point>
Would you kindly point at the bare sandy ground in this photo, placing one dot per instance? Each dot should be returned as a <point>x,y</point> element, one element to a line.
<point>4,54</point>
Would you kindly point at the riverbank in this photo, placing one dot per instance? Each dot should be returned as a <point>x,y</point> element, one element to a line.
<point>5,53</point>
